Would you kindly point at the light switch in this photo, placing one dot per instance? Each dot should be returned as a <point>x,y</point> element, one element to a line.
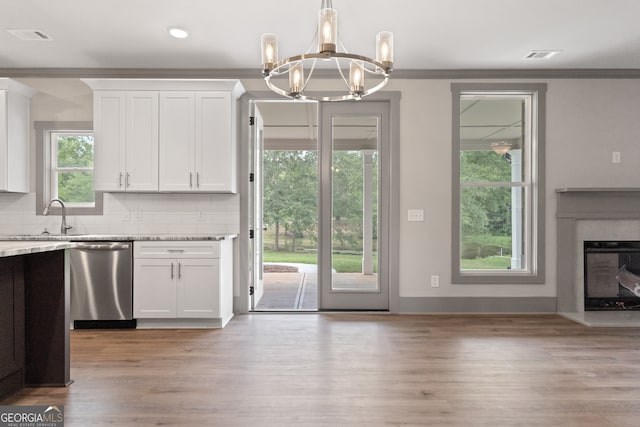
<point>415,215</point>
<point>615,157</point>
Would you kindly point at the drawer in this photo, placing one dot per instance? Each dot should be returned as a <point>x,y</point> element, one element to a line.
<point>176,249</point>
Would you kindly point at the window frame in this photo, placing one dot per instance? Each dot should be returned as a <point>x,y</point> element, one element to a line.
<point>44,152</point>
<point>534,218</point>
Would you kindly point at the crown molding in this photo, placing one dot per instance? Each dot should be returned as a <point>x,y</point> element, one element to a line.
<point>247,73</point>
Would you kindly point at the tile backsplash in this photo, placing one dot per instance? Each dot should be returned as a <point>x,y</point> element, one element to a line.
<point>130,213</point>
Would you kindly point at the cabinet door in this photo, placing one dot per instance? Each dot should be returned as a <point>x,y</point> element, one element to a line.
<point>215,148</point>
<point>142,141</point>
<point>198,289</point>
<point>11,316</point>
<point>154,288</point>
<point>18,132</point>
<point>109,120</point>
<point>177,130</point>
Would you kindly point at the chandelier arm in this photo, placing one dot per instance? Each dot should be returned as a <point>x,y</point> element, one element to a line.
<point>342,44</point>
<point>314,41</point>
<point>346,82</point>
<point>308,79</point>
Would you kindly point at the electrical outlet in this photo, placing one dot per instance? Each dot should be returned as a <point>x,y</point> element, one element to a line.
<point>435,281</point>
<point>137,216</point>
<point>126,217</point>
<point>201,216</point>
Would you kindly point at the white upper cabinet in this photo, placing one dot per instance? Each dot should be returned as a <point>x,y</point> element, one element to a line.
<point>126,135</point>
<point>15,128</point>
<point>182,133</point>
<point>215,163</point>
<point>197,145</point>
<point>177,141</point>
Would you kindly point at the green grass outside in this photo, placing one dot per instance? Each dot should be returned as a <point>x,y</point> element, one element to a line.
<point>341,263</point>
<point>490,263</point>
<point>353,263</point>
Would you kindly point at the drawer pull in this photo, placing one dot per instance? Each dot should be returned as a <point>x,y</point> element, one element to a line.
<point>175,251</point>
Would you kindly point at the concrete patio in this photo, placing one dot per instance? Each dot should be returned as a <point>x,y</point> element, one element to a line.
<point>298,290</point>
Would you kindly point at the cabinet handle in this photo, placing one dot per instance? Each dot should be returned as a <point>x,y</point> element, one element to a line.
<point>190,179</point>
<point>172,270</point>
<point>120,181</point>
<point>179,270</point>
<point>126,180</point>
<point>198,179</point>
<point>175,251</point>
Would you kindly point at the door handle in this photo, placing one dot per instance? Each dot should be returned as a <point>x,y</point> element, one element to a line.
<point>179,270</point>
<point>126,180</point>
<point>198,179</point>
<point>190,179</point>
<point>172,271</point>
<point>120,181</point>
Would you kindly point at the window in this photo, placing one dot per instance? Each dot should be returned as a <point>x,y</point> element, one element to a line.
<point>498,183</point>
<point>65,167</point>
<point>71,178</point>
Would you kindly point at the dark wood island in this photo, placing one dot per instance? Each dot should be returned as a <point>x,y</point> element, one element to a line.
<point>34,315</point>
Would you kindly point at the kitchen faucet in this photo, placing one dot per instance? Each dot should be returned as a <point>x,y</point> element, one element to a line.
<point>63,227</point>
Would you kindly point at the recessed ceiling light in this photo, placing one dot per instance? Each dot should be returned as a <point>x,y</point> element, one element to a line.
<point>178,32</point>
<point>541,54</point>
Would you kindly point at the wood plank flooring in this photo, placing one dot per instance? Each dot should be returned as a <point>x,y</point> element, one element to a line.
<point>354,370</point>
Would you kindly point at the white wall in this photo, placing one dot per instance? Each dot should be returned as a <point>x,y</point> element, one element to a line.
<point>586,121</point>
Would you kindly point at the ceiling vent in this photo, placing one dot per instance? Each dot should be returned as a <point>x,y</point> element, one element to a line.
<point>31,35</point>
<point>541,54</point>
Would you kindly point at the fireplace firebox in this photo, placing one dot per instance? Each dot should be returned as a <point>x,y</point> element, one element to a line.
<point>611,275</point>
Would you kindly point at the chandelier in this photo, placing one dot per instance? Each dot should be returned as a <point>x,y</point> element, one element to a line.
<point>366,75</point>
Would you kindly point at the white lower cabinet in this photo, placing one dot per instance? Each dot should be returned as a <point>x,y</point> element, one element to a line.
<point>183,284</point>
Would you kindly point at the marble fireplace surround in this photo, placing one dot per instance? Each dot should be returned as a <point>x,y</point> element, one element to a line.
<point>592,214</point>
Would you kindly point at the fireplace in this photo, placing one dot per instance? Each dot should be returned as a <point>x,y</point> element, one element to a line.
<point>611,275</point>
<point>595,215</point>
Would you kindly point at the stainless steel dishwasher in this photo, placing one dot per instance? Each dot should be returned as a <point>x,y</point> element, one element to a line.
<point>102,285</point>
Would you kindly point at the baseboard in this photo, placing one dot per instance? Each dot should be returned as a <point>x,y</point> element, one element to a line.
<point>410,305</point>
<point>183,323</point>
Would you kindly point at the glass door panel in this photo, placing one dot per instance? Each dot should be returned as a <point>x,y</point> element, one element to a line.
<point>354,249</point>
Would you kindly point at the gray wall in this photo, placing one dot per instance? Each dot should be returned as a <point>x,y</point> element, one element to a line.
<point>587,119</point>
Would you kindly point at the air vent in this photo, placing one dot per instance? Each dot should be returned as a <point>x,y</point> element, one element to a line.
<point>541,54</point>
<point>31,35</point>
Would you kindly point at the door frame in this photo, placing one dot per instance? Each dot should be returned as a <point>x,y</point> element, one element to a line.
<point>328,298</point>
<point>242,300</point>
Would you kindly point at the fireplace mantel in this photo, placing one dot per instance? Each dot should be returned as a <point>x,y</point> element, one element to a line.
<point>577,204</point>
<point>598,203</point>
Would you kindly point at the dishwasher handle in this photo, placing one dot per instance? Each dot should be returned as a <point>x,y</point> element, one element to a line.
<point>103,246</point>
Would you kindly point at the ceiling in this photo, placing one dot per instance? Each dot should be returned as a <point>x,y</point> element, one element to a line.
<point>428,34</point>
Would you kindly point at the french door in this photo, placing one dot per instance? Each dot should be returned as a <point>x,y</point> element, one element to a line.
<point>353,206</point>
<point>256,211</point>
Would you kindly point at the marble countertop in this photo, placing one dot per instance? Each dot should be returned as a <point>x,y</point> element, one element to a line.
<point>113,237</point>
<point>13,248</point>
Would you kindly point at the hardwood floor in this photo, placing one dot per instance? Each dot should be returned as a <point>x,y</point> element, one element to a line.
<point>354,369</point>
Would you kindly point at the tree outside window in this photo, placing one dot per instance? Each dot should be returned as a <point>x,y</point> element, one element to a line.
<point>72,168</point>
<point>498,183</point>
